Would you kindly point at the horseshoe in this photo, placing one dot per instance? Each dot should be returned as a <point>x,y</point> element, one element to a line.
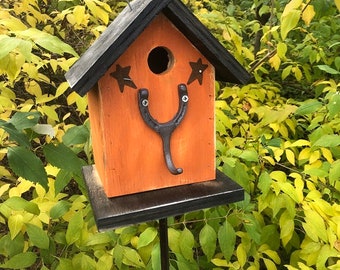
<point>165,129</point>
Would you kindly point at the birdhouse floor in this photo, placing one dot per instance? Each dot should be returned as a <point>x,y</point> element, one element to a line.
<point>157,204</point>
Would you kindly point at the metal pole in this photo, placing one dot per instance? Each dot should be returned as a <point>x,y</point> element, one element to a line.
<point>164,244</point>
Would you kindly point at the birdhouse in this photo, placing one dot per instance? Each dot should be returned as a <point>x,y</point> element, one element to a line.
<point>150,84</point>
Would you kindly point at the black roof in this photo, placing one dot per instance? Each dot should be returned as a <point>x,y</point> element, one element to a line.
<point>130,23</point>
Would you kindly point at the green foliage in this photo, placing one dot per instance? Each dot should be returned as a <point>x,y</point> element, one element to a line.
<point>294,190</point>
<point>51,231</point>
<point>278,137</point>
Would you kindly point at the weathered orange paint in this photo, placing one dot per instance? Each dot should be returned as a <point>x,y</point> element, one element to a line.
<point>128,154</point>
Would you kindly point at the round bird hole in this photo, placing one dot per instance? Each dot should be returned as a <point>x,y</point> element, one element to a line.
<point>160,59</point>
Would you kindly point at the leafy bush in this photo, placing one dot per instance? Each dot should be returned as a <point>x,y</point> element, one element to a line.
<point>277,137</point>
<point>290,175</point>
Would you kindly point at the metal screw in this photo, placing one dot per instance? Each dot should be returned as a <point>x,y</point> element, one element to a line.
<point>145,102</point>
<point>185,98</point>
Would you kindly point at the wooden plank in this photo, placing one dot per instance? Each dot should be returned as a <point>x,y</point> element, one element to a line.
<point>98,135</point>
<point>153,205</point>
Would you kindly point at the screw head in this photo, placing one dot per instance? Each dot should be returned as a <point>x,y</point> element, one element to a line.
<point>145,102</point>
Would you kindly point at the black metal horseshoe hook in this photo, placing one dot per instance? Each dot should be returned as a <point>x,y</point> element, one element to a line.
<point>164,129</point>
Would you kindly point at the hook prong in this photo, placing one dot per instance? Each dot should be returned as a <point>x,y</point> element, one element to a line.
<point>165,129</point>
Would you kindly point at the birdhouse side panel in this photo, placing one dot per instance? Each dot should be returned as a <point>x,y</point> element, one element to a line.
<point>134,153</point>
<point>97,133</point>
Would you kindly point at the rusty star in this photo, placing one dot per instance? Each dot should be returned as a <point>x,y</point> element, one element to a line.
<point>197,71</point>
<point>122,76</point>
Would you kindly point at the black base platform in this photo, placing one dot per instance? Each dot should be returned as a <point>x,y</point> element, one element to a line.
<point>157,204</point>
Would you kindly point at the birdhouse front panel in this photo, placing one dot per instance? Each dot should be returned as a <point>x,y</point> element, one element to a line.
<point>152,114</point>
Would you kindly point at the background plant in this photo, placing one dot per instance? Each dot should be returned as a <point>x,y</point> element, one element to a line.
<point>277,137</point>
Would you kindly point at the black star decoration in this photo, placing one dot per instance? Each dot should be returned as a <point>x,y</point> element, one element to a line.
<point>122,76</point>
<point>197,69</point>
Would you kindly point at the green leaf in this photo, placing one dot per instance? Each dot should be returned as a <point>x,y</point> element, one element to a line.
<point>14,134</point>
<point>62,157</point>
<point>328,69</point>
<point>27,165</point>
<point>60,209</point>
<point>15,224</point>
<point>286,71</point>
<point>334,105</point>
<point>25,47</point>
<point>308,107</point>
<point>99,239</point>
<point>10,247</point>
<point>132,258</point>
<point>276,142</point>
<point>83,261</point>
<point>99,10</point>
<point>186,244</point>
<point>314,226</point>
<point>249,155</point>
<point>147,237</point>
<point>62,179</point>
<point>126,234</point>
<point>173,236</point>
<point>289,21</point>
<point>184,264</point>
<point>48,42</point>
<point>74,228</point>
<point>334,172</point>
<point>19,204</point>
<point>337,60</point>
<point>20,261</point>
<point>270,236</point>
<point>253,227</point>
<point>241,254</point>
<point>227,240</point>
<point>265,182</point>
<point>319,172</point>
<point>7,44</point>
<point>281,49</point>
<point>270,265</point>
<point>64,264</point>
<point>230,161</point>
<point>289,189</point>
<point>207,239</point>
<point>38,236</point>
<point>76,135</point>
<point>287,227</point>
<point>105,262</point>
<point>326,253</point>
<point>23,120</point>
<point>118,254</point>
<point>292,4</point>
<point>11,64</point>
<point>327,141</point>
<point>156,256</point>
<point>220,262</point>
<point>283,201</point>
<point>239,174</point>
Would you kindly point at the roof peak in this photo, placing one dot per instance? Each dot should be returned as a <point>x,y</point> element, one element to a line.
<point>130,23</point>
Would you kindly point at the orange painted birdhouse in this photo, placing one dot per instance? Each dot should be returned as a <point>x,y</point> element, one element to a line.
<point>150,83</point>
